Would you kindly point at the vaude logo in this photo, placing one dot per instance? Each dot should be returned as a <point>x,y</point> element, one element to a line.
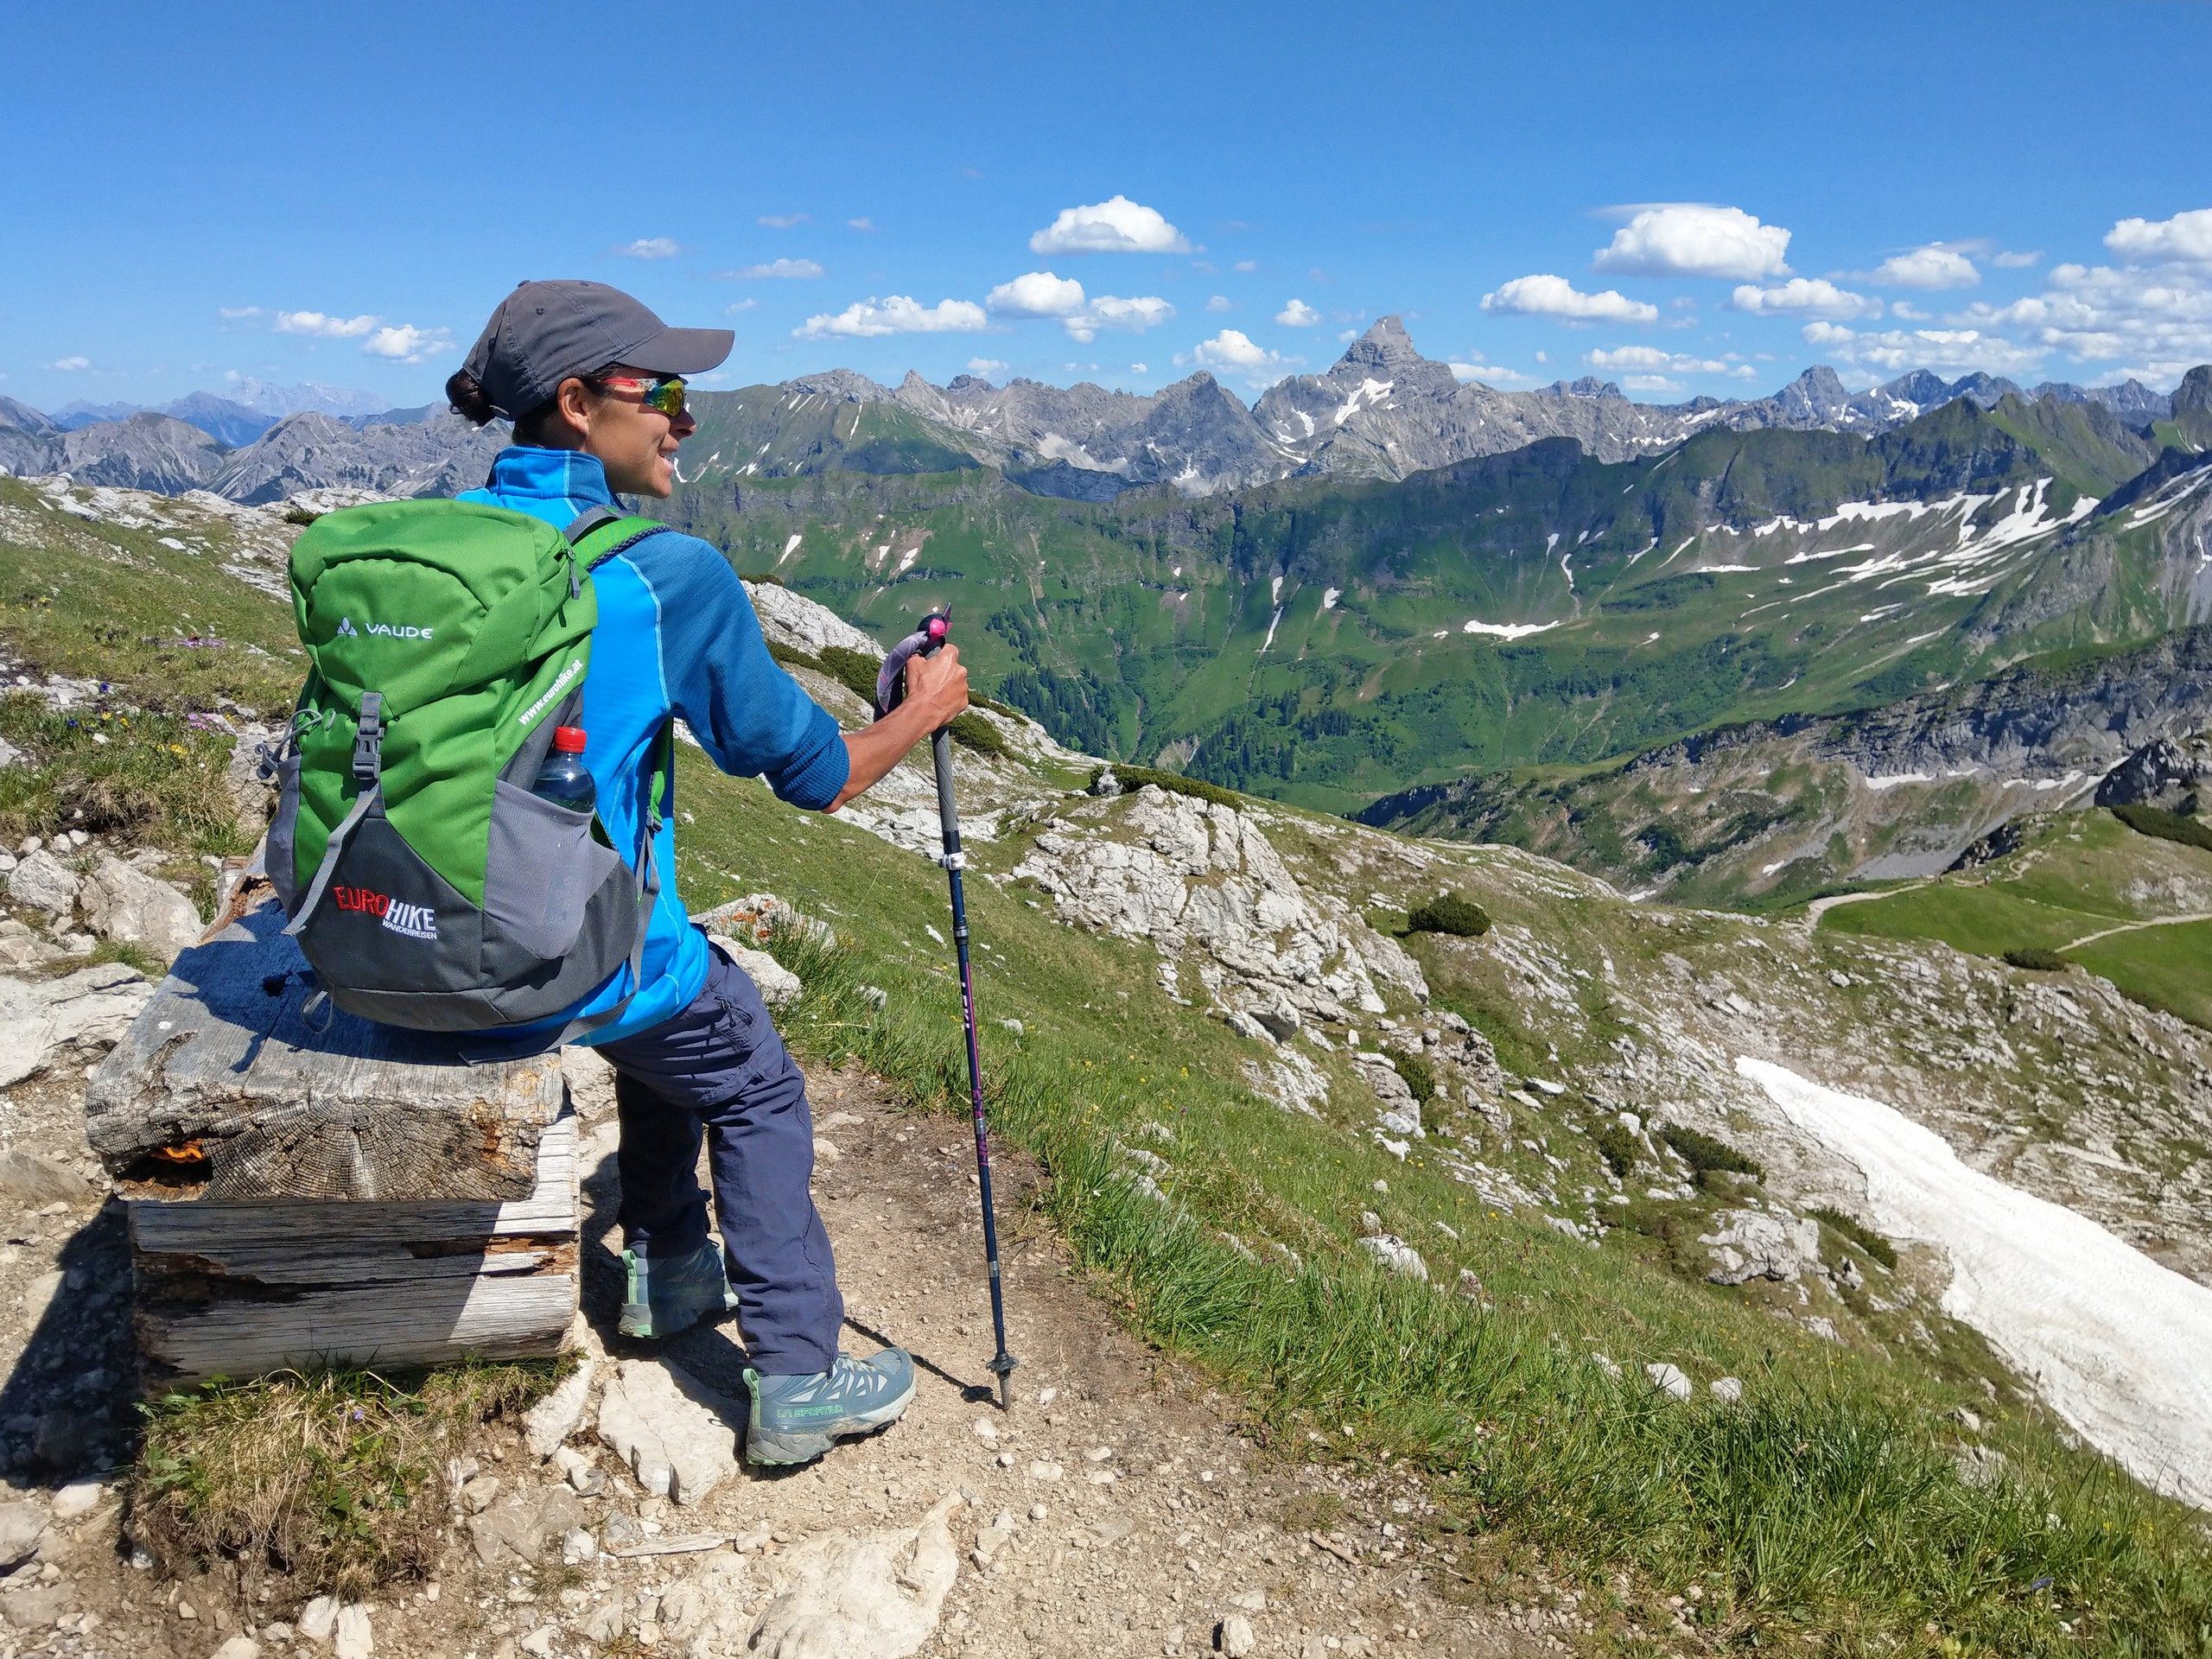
<point>409,921</point>
<point>389,630</point>
<point>575,667</point>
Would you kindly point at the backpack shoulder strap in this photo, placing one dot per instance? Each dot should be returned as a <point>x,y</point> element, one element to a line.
<point>600,533</point>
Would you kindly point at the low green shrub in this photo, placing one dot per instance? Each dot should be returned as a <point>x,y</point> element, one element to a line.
<point>1707,1156</point>
<point>1135,778</point>
<point>854,670</point>
<point>1449,913</point>
<point>2166,826</point>
<point>792,656</point>
<point>1419,1076</point>
<point>972,731</point>
<point>1858,1232</point>
<point>2037,959</point>
<point>1616,1146</point>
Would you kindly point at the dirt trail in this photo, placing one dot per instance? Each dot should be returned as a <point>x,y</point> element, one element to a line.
<point>1141,1519</point>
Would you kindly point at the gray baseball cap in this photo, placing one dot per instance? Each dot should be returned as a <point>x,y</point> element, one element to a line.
<point>542,333</point>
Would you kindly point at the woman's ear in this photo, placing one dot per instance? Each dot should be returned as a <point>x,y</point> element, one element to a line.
<point>574,401</point>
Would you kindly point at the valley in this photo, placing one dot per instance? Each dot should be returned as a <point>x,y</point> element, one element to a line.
<point>1546,1228</point>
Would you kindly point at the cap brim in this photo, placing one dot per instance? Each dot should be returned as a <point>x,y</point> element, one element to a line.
<point>682,351</point>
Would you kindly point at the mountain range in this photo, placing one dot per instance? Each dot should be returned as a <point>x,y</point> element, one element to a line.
<point>1382,411</point>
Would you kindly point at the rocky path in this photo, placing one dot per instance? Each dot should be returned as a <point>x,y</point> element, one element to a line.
<point>1117,1509</point>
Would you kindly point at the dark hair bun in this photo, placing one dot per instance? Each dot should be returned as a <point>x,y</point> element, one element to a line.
<point>474,402</point>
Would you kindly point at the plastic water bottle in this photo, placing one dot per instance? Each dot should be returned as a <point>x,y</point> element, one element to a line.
<point>564,779</point>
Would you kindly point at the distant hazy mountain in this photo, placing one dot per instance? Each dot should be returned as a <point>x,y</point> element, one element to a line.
<point>310,396</point>
<point>69,417</point>
<point>220,418</point>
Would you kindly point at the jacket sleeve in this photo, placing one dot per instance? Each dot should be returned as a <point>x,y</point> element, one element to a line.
<point>750,717</point>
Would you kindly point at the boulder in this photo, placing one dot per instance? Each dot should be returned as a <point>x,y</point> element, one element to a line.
<point>2168,774</point>
<point>1754,1244</point>
<point>33,1181</point>
<point>43,882</point>
<point>129,905</point>
<point>513,1532</point>
<point>675,1432</point>
<point>93,1006</point>
<point>878,1594</point>
<point>1185,873</point>
<point>779,988</point>
<point>21,947</point>
<point>1396,1254</point>
<point>1670,1380</point>
<point>23,1523</point>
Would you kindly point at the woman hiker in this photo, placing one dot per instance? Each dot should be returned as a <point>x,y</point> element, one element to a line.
<point>592,381</point>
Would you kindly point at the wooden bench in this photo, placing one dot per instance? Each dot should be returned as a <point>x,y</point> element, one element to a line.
<point>309,1188</point>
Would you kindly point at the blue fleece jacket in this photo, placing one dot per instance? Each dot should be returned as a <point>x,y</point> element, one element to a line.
<point>676,635</point>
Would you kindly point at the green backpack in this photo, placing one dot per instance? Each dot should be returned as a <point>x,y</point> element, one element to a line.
<point>426,884</point>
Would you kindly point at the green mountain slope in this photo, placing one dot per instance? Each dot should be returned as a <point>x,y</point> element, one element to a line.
<point>1881,1469</point>
<point>1326,642</point>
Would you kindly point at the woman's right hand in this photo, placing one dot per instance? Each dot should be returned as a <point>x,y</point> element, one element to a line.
<point>939,683</point>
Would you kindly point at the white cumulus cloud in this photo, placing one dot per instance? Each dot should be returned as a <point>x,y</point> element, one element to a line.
<point>1217,302</point>
<point>316,324</point>
<point>784,221</point>
<point>651,247</point>
<point>1115,225</point>
<point>775,270</point>
<point>1546,296</point>
<point>1298,315</point>
<point>2184,239</point>
<point>1650,382</point>
<point>2009,260</point>
<point>1933,266</point>
<point>1490,374</point>
<point>1690,238</point>
<point>986,366</point>
<point>1652,360</point>
<point>1234,351</point>
<point>1894,351</point>
<point>1806,297</point>
<point>1131,316</point>
<point>1035,294</point>
<point>71,364</point>
<point>899,314</point>
<point>2157,323</point>
<point>403,342</point>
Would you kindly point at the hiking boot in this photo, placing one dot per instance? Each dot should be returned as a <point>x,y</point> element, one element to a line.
<point>666,1296</point>
<point>795,1418</point>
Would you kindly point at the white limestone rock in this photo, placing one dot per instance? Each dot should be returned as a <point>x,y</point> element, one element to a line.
<point>874,1595</point>
<point>43,882</point>
<point>129,905</point>
<point>92,1008</point>
<point>552,1420</point>
<point>1754,1244</point>
<point>674,1432</point>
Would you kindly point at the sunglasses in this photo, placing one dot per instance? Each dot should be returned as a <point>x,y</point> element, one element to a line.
<point>664,392</point>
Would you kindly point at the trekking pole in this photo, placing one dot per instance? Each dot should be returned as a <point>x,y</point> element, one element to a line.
<point>890,689</point>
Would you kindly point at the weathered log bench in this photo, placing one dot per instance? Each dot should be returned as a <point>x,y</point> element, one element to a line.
<point>307,1188</point>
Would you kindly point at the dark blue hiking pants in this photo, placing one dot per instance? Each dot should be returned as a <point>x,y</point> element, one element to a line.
<point>719,1068</point>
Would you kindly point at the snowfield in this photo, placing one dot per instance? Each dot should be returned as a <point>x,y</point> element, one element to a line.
<point>2120,1347</point>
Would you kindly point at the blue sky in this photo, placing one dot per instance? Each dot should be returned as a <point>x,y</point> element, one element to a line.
<point>341,194</point>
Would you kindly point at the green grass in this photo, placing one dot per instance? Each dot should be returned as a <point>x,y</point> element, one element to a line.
<point>1877,1248</point>
<point>2166,967</point>
<point>1825,1514</point>
<point>333,1479</point>
<point>2166,826</point>
<point>155,778</point>
<point>2079,874</point>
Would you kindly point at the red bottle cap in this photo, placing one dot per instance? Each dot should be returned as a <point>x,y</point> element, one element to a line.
<point>569,739</point>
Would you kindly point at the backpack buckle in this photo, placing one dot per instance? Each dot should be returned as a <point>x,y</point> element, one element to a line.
<point>368,739</point>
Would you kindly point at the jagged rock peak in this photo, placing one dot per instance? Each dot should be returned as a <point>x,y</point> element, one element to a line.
<point>1384,350</point>
<point>1588,386</point>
